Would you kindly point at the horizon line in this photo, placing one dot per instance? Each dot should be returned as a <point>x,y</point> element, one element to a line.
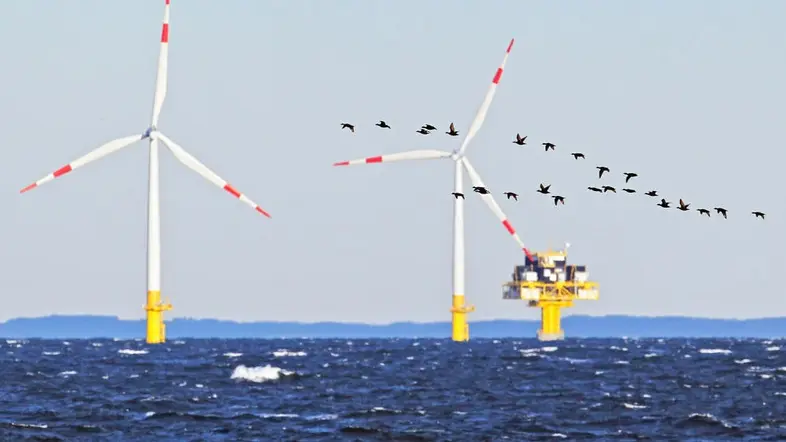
<point>256,321</point>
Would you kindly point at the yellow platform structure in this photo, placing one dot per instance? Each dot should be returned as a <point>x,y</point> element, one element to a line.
<point>156,329</point>
<point>549,283</point>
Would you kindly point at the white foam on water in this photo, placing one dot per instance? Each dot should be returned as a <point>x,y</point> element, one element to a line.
<point>38,426</point>
<point>259,374</point>
<point>634,406</point>
<point>233,355</point>
<point>284,353</point>
<point>130,351</point>
<point>714,351</point>
<point>278,416</point>
<point>322,417</point>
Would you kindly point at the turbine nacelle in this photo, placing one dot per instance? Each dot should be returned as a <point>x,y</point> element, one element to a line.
<point>151,133</point>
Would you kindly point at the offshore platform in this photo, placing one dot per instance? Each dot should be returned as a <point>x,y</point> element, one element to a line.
<point>548,282</point>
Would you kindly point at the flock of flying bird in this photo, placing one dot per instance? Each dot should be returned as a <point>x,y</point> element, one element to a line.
<point>426,129</point>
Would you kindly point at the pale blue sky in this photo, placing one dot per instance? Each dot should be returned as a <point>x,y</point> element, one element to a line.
<point>687,94</point>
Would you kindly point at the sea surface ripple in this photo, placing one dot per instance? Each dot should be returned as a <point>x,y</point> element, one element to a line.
<point>396,389</point>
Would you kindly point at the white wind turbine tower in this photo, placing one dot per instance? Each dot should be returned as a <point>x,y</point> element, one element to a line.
<point>156,331</point>
<point>459,308</point>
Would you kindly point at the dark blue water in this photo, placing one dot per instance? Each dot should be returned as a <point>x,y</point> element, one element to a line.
<point>399,390</point>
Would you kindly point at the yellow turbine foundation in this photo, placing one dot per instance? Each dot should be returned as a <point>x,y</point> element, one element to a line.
<point>156,329</point>
<point>460,326</point>
<point>550,320</point>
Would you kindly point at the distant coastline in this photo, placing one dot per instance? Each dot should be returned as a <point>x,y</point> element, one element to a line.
<point>89,326</point>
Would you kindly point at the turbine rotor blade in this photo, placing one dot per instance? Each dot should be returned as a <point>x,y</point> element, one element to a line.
<point>93,155</point>
<point>484,107</point>
<point>194,164</point>
<point>163,62</point>
<point>492,204</point>
<point>427,154</point>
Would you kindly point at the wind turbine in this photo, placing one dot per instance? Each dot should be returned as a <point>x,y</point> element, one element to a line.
<point>459,309</point>
<point>156,331</point>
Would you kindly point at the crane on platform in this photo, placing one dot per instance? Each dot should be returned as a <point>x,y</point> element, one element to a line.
<point>548,282</point>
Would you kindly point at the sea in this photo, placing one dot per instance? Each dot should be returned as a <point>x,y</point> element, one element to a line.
<point>393,390</point>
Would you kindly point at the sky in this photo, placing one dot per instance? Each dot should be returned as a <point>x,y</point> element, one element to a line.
<point>688,95</point>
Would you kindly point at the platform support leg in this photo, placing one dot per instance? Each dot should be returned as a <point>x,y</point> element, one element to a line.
<point>550,324</point>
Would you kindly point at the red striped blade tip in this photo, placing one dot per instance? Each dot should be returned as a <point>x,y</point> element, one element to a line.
<point>510,46</point>
<point>341,163</point>
<point>30,187</point>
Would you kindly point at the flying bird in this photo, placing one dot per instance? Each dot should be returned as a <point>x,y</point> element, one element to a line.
<point>519,140</point>
<point>601,169</point>
<point>629,175</point>
<point>758,214</point>
<point>722,211</point>
<point>609,188</point>
<point>548,146</point>
<point>703,212</point>
<point>577,155</point>
<point>544,189</point>
<point>683,206</point>
<point>510,195</point>
<point>351,127</point>
<point>480,189</point>
<point>428,127</point>
<point>453,132</point>
<point>663,203</point>
<point>651,193</point>
<point>382,124</point>
<point>629,190</point>
<point>458,194</point>
<point>422,131</point>
<point>558,199</point>
<point>595,189</point>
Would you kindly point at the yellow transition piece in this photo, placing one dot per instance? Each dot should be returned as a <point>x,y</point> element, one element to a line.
<point>460,326</point>
<point>156,329</point>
